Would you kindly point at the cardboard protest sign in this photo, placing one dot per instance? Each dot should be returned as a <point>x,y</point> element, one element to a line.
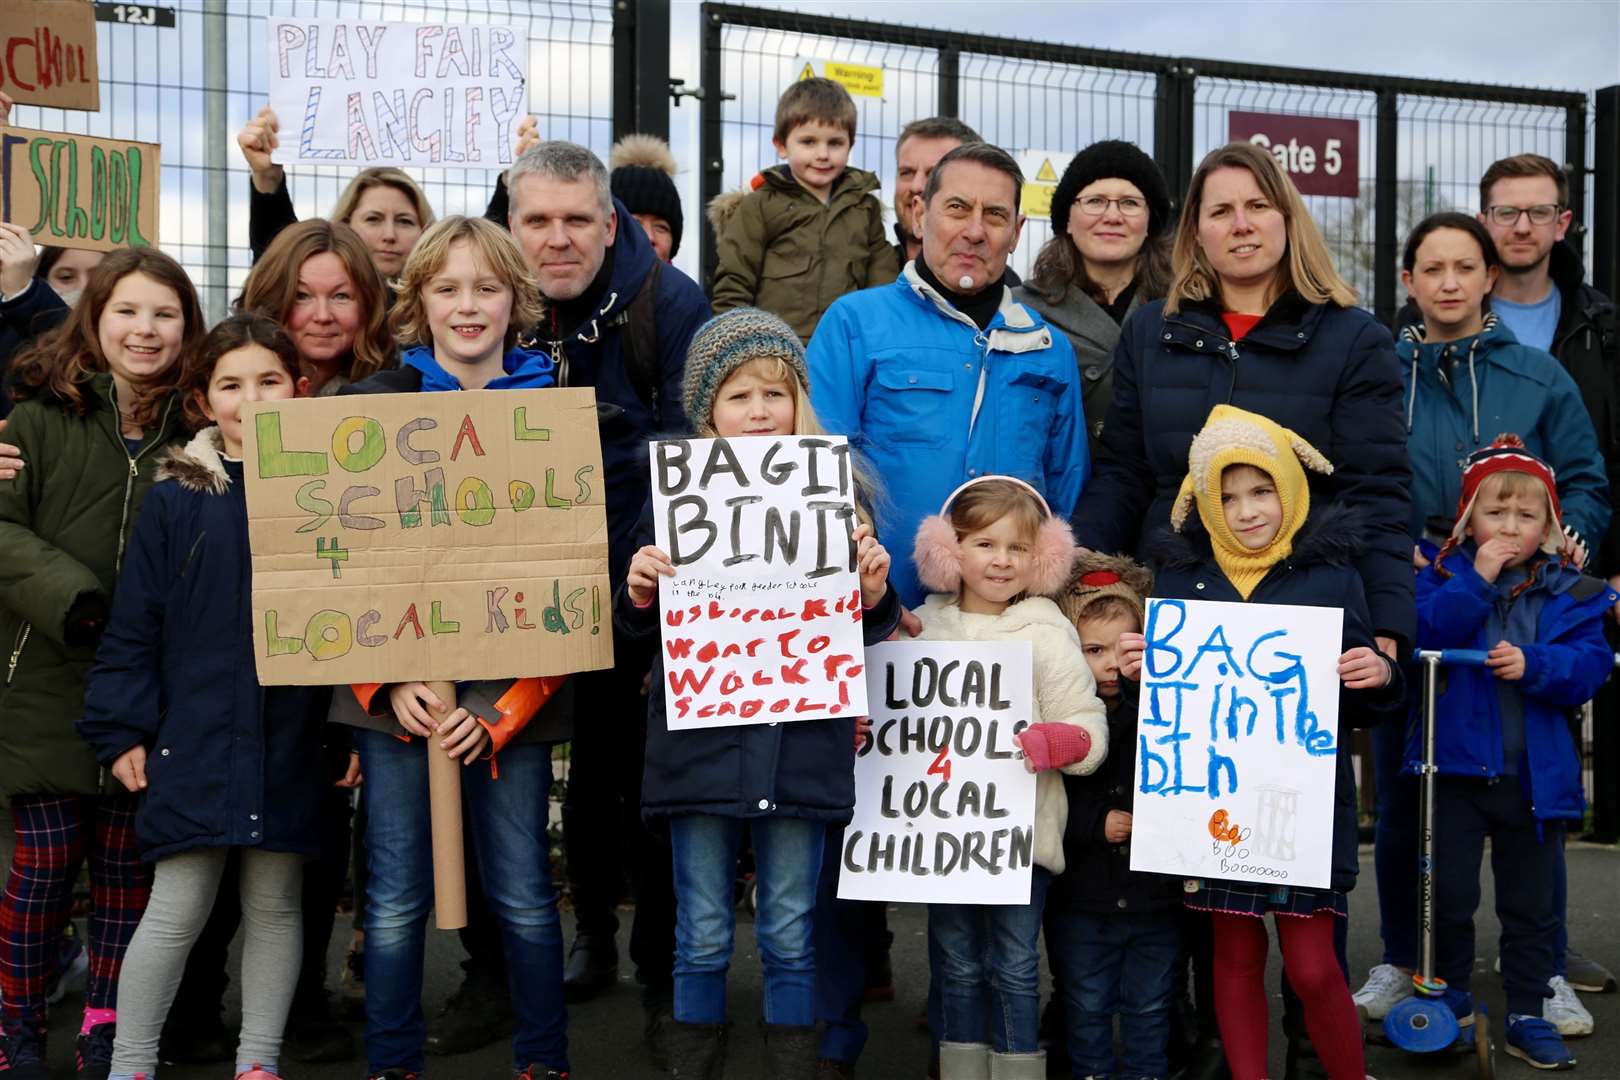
<point>1237,737</point>
<point>361,92</point>
<point>944,809</point>
<point>77,191</point>
<point>762,620</point>
<point>399,537</point>
<point>48,54</point>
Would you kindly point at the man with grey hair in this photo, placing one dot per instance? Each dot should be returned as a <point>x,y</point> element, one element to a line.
<point>918,149</point>
<point>618,319</point>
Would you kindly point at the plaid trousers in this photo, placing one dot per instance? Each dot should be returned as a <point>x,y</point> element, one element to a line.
<point>54,835</point>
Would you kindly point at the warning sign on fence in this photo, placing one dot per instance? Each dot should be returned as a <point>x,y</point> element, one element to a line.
<point>1042,171</point>
<point>861,80</point>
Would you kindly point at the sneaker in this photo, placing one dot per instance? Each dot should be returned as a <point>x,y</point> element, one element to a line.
<point>93,1049</point>
<point>394,1074</point>
<point>1386,987</point>
<point>22,1053</point>
<point>1535,1042</point>
<point>1587,975</point>
<point>540,1072</point>
<point>1564,1010</point>
<point>258,1072</point>
<point>72,969</point>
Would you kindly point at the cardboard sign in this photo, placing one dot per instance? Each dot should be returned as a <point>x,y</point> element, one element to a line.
<point>48,54</point>
<point>860,80</point>
<point>944,810</point>
<point>1320,154</point>
<point>78,191</point>
<point>762,620</point>
<point>1237,742</point>
<point>399,537</point>
<point>1042,170</point>
<point>357,92</point>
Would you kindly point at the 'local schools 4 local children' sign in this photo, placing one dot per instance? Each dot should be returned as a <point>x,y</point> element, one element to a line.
<point>944,809</point>
<point>398,537</point>
<point>762,620</point>
<point>1237,742</point>
<point>351,92</point>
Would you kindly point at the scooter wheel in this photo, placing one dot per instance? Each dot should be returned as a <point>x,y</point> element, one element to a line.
<point>1421,1025</point>
<point>1484,1051</point>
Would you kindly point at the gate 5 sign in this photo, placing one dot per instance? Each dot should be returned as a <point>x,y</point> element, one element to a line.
<point>1319,154</point>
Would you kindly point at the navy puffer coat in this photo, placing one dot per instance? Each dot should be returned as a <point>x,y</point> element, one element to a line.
<point>1328,373</point>
<point>229,763</point>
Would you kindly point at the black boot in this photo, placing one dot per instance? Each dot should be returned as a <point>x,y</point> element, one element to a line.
<point>477,1014</point>
<point>658,1015</point>
<point>1208,1062</point>
<point>696,1051</point>
<point>196,1038</point>
<point>592,967</point>
<point>314,1034</point>
<point>790,1051</point>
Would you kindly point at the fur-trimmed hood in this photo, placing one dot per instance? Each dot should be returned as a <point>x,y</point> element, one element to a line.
<point>199,465</point>
<point>1333,536</point>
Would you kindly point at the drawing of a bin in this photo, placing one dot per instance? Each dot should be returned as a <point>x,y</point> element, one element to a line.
<point>1276,822</point>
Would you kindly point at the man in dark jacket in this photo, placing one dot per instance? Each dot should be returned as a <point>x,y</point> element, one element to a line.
<point>620,320</point>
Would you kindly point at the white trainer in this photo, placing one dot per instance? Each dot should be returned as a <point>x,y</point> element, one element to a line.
<point>1386,987</point>
<point>1564,1010</point>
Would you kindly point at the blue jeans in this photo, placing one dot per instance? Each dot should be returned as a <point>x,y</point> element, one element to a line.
<point>1395,846</point>
<point>990,970</point>
<point>1124,964</point>
<point>507,819</point>
<point>787,863</point>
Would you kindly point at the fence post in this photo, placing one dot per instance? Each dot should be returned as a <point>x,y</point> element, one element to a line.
<point>1606,193</point>
<point>950,83</point>
<point>1386,193</point>
<point>1173,96</point>
<point>1575,166</point>
<point>709,136</point>
<point>215,95</point>
<point>641,68</point>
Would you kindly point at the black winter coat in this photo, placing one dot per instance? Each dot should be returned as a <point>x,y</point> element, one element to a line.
<point>1321,572</point>
<point>229,763</point>
<point>22,319</point>
<point>1328,373</point>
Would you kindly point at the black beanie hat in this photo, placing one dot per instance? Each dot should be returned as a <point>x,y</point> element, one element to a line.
<point>643,168</point>
<point>1117,160</point>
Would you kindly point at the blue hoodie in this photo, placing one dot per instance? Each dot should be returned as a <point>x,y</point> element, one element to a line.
<point>525,370</point>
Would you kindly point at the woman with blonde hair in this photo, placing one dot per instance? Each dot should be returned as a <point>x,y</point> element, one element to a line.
<point>1256,317</point>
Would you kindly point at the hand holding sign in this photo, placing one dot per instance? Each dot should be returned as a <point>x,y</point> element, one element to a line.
<point>872,561</point>
<point>17,259</point>
<point>1363,668</point>
<point>646,566</point>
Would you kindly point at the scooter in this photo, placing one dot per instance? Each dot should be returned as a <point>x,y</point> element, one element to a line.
<point>1424,1023</point>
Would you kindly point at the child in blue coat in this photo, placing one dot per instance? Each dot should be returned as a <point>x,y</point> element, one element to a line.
<point>1508,767</point>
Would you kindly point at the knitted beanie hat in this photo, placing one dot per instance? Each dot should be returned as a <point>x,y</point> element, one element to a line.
<point>1233,436</point>
<point>1507,453</point>
<point>727,342</point>
<point>1095,576</point>
<point>642,178</point>
<point>1112,159</point>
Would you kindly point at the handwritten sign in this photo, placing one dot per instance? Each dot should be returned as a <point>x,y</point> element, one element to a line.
<point>427,536</point>
<point>859,80</point>
<point>381,93</point>
<point>944,810</point>
<point>1238,733</point>
<point>49,54</point>
<point>762,620</point>
<point>77,191</point>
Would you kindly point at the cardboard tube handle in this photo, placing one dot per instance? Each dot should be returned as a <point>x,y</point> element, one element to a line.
<point>444,796</point>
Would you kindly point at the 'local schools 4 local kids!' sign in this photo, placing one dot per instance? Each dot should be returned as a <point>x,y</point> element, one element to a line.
<point>398,537</point>
<point>761,623</point>
<point>1237,742</point>
<point>944,809</point>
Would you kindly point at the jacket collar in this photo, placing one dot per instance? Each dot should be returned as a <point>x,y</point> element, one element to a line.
<point>852,185</point>
<point>1078,315</point>
<point>1288,325</point>
<point>1331,536</point>
<point>200,465</point>
<point>1015,328</point>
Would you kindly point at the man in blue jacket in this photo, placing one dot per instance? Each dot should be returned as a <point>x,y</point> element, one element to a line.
<point>620,320</point>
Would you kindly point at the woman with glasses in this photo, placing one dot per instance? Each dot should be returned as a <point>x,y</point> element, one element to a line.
<point>1109,254</point>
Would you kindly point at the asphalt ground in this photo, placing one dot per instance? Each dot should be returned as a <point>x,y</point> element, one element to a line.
<point>605,1034</point>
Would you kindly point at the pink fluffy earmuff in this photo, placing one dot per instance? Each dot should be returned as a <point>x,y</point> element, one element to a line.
<point>939,557</point>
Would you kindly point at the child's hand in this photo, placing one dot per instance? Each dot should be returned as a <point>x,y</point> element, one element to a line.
<point>863,731</point>
<point>130,768</point>
<point>1130,649</point>
<point>414,705</point>
<point>872,559</point>
<point>1506,661</point>
<point>1363,669</point>
<point>1492,555</point>
<point>351,776</point>
<point>642,580</point>
<point>463,736</point>
<point>1117,826</point>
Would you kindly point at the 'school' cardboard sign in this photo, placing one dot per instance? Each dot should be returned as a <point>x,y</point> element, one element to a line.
<point>367,93</point>
<point>1237,742</point>
<point>78,191</point>
<point>399,537</point>
<point>944,809</point>
<point>762,620</point>
<point>48,54</point>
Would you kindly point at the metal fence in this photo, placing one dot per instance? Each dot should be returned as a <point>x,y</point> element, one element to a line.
<point>1424,142</point>
<point>193,86</point>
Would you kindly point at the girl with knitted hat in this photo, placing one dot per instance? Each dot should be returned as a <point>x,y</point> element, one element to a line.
<point>991,558</point>
<point>1254,539</point>
<point>784,783</point>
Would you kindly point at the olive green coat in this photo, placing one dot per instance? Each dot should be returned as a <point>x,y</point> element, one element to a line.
<point>781,249</point>
<point>64,521</point>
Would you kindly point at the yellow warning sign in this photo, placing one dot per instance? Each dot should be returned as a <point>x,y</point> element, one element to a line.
<point>1046,174</point>
<point>861,80</point>
<point>1041,168</point>
<point>1037,200</point>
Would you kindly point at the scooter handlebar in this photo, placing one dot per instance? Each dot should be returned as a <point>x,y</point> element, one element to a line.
<point>1455,657</point>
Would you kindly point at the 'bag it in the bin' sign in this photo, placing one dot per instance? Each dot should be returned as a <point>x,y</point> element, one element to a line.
<point>762,620</point>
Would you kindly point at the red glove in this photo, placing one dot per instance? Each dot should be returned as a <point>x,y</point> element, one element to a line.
<point>1052,746</point>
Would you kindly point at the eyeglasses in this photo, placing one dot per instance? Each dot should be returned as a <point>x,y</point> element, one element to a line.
<point>1129,206</point>
<point>1540,214</point>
